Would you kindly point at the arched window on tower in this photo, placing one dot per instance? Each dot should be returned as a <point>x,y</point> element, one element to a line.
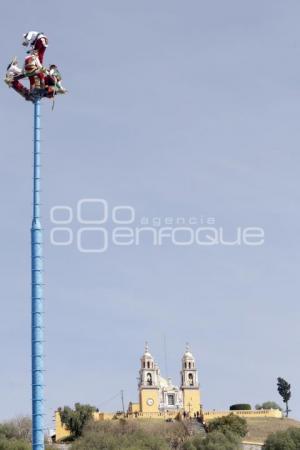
<point>185,365</point>
<point>191,379</point>
<point>149,379</point>
<point>148,365</point>
<point>189,365</point>
<point>144,364</point>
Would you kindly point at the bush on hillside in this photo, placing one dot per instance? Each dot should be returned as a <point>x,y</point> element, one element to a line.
<point>232,423</point>
<point>105,440</point>
<point>131,434</point>
<point>13,444</point>
<point>214,441</point>
<point>240,407</point>
<point>283,440</point>
<point>18,428</point>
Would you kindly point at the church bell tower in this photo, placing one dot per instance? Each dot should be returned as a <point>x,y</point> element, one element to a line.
<point>190,383</point>
<point>148,383</point>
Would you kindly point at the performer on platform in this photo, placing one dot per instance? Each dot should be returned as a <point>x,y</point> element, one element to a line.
<point>53,81</point>
<point>43,82</point>
<point>34,70</point>
<point>13,74</point>
<point>37,41</point>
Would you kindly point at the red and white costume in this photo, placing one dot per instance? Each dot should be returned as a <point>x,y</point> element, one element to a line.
<point>43,82</point>
<point>34,70</point>
<point>37,41</point>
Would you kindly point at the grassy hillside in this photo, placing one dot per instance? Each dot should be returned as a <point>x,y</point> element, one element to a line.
<point>260,428</point>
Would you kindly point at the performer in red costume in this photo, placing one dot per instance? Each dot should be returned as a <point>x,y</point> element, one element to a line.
<point>37,41</point>
<point>43,82</point>
<point>34,70</point>
<point>13,75</point>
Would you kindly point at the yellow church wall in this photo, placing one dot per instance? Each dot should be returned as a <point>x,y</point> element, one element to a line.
<point>262,413</point>
<point>145,396</point>
<point>155,415</point>
<point>191,400</point>
<point>210,415</point>
<point>134,408</point>
<point>61,431</point>
<point>107,416</point>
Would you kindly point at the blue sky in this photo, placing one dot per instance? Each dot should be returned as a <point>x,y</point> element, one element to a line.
<point>178,109</point>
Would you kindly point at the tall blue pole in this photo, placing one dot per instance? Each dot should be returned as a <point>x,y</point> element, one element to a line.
<point>37,331</point>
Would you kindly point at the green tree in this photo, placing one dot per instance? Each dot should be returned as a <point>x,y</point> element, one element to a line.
<point>284,389</point>
<point>232,423</point>
<point>75,419</point>
<point>268,405</point>
<point>283,440</point>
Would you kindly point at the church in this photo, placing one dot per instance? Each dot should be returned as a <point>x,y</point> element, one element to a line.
<point>160,398</point>
<point>158,395</point>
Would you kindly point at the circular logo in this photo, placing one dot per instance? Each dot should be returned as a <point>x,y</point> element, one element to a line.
<point>150,401</point>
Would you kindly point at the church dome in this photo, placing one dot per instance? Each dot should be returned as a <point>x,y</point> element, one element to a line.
<point>147,360</point>
<point>147,353</point>
<point>188,360</point>
<point>188,354</point>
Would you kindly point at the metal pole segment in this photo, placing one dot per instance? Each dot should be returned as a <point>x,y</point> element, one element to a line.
<point>37,331</point>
